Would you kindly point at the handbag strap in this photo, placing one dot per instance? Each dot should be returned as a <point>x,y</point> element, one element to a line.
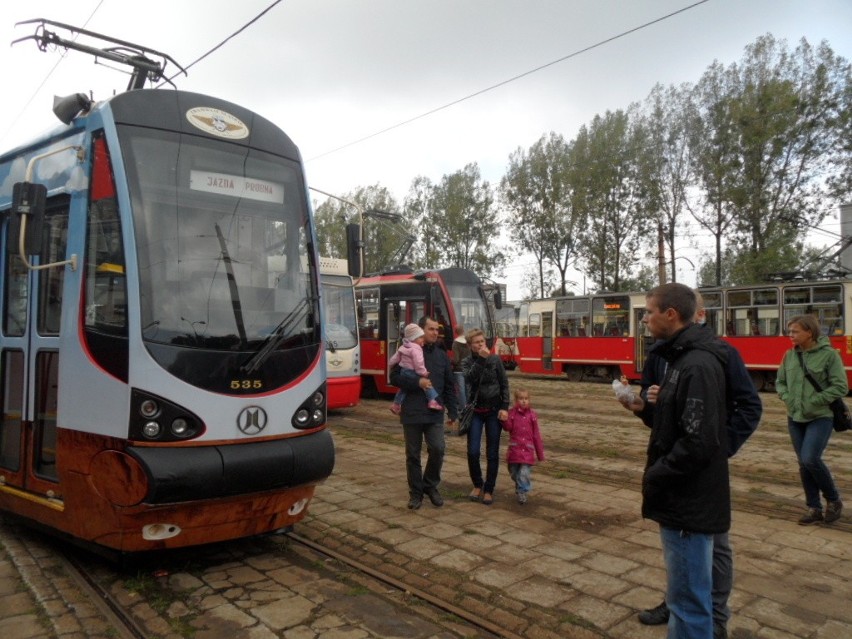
<point>808,375</point>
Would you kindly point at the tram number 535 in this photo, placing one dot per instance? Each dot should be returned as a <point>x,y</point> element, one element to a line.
<point>246,384</point>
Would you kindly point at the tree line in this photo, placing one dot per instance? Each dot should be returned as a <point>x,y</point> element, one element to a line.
<point>752,155</point>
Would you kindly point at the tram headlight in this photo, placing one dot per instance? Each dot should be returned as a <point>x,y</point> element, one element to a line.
<point>302,417</point>
<point>151,430</point>
<point>180,427</point>
<point>149,409</point>
<point>156,418</point>
<point>311,414</point>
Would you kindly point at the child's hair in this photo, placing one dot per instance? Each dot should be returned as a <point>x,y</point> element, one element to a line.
<point>520,390</point>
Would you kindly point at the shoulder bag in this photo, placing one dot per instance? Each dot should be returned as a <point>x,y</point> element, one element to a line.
<point>842,417</point>
<point>466,415</point>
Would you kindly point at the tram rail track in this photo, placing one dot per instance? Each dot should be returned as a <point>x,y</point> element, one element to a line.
<point>408,589</point>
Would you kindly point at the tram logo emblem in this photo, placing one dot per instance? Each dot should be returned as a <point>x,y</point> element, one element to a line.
<point>251,420</point>
<point>217,122</point>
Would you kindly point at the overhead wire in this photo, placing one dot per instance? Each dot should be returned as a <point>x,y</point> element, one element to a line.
<point>515,78</point>
<point>223,42</point>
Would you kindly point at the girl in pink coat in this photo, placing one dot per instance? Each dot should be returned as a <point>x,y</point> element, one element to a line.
<point>524,443</point>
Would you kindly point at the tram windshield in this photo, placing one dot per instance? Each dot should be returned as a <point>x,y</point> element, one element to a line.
<point>470,308</point>
<point>338,306</point>
<point>222,243</point>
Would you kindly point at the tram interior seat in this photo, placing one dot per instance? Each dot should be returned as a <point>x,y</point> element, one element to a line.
<point>731,331</point>
<point>598,332</point>
<point>755,328</point>
<point>581,332</point>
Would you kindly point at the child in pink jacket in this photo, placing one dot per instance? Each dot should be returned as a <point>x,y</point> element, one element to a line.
<point>524,443</point>
<point>409,356</point>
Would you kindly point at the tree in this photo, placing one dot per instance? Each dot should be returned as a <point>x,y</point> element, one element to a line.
<point>716,157</point>
<point>668,169</point>
<point>382,239</point>
<point>538,193</point>
<point>774,125</point>
<point>612,195</point>
<point>464,224</point>
<point>418,212</point>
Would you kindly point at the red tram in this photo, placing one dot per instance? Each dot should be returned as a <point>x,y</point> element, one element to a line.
<point>601,336</point>
<point>389,301</point>
<point>160,330</point>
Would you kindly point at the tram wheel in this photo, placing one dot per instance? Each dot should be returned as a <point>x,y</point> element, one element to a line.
<point>368,388</point>
<point>574,373</point>
<point>758,378</point>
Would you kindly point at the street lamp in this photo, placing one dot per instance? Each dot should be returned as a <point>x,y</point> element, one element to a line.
<point>674,271</point>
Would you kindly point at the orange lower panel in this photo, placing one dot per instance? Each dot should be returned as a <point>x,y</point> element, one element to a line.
<point>94,480</point>
<point>88,517</point>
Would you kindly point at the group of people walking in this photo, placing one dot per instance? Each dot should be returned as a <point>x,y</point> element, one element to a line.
<point>698,400</point>
<point>471,373</point>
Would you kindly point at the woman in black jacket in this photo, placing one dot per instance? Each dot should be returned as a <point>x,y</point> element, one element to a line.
<point>486,381</point>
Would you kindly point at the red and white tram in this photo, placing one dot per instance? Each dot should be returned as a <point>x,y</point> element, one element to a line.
<point>601,336</point>
<point>387,302</point>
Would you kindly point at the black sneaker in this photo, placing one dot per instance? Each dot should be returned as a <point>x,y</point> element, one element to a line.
<point>655,616</point>
<point>415,502</point>
<point>813,516</point>
<point>435,497</point>
<point>832,511</point>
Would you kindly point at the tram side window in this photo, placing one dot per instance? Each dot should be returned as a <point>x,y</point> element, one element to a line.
<point>753,313</point>
<point>535,325</point>
<point>713,311</point>
<point>572,317</point>
<point>823,302</point>
<point>367,300</point>
<point>106,292</point>
<point>46,400</point>
<point>15,317</point>
<point>13,394</point>
<point>51,280</point>
<point>610,316</point>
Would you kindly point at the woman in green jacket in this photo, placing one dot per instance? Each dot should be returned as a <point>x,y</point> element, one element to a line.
<point>809,416</point>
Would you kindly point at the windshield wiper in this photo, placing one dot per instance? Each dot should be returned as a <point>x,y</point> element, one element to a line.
<point>279,334</point>
<point>232,286</point>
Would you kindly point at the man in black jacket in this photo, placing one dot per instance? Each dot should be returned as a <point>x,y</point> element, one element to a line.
<point>744,410</point>
<point>419,422</point>
<point>685,487</point>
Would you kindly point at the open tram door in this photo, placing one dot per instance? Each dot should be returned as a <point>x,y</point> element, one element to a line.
<point>29,359</point>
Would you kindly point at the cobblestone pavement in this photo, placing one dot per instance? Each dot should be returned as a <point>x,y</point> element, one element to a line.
<point>577,561</point>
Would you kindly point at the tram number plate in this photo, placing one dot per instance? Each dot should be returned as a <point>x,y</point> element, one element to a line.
<point>246,384</point>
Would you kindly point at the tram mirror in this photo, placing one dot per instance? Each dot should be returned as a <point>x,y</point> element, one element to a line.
<point>69,107</point>
<point>498,300</point>
<point>354,247</point>
<point>29,199</point>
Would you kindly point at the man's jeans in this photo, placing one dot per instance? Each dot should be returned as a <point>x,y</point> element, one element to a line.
<point>420,481</point>
<point>689,566</point>
<point>809,442</point>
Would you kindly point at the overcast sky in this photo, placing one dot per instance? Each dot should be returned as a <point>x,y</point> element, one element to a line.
<point>334,72</point>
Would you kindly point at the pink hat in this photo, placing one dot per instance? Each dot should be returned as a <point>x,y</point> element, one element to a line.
<point>412,332</point>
